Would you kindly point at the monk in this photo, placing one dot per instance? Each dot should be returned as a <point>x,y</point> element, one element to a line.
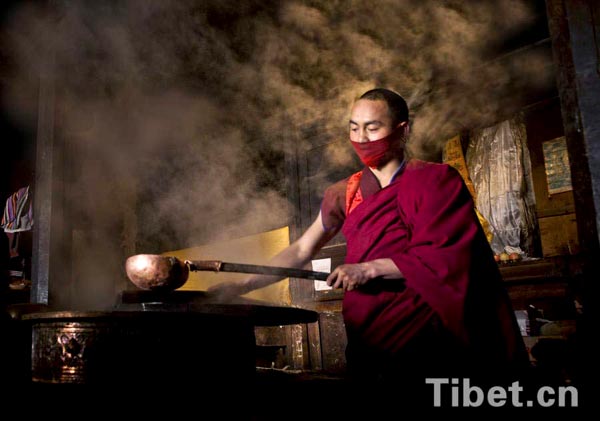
<point>423,294</point>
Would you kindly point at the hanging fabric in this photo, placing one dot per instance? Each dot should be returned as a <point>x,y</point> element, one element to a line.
<point>18,212</point>
<point>500,168</point>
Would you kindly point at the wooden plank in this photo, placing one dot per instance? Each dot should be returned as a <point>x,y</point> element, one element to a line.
<point>333,342</point>
<point>299,343</point>
<point>314,346</point>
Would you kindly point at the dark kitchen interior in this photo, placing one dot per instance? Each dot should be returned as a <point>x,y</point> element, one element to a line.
<point>184,128</point>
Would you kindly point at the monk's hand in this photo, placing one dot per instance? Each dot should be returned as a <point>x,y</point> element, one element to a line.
<point>349,276</point>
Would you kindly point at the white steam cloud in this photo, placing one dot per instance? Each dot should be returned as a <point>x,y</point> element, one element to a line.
<point>177,115</point>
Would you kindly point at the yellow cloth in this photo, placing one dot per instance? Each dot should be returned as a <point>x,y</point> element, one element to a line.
<point>253,249</point>
<point>453,155</point>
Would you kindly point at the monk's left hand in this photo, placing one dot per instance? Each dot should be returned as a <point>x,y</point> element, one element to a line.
<point>349,276</point>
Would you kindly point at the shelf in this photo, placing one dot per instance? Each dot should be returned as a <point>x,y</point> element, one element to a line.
<point>558,268</point>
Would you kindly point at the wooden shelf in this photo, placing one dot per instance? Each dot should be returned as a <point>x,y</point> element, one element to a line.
<point>542,270</point>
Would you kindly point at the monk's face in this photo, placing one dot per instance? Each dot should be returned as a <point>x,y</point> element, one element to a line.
<point>369,121</point>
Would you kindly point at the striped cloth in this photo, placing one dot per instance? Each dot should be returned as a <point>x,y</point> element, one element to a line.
<point>18,212</point>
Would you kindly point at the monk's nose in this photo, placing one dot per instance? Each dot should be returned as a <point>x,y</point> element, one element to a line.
<point>362,136</point>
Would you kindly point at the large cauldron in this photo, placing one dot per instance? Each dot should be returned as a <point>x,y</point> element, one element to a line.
<point>153,339</point>
<point>141,348</point>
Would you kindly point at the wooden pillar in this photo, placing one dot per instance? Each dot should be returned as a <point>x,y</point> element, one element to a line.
<point>50,269</point>
<point>575,32</point>
<point>45,213</point>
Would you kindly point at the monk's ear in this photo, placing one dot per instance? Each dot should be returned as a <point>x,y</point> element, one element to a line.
<point>406,127</point>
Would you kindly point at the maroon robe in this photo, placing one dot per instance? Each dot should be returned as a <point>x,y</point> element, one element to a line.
<point>424,221</point>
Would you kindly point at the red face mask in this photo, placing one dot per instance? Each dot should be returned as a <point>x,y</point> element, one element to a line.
<point>374,154</point>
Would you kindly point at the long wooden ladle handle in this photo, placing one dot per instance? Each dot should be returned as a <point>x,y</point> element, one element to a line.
<point>219,266</point>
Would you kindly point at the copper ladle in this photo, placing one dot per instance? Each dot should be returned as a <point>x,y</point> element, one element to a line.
<point>158,272</point>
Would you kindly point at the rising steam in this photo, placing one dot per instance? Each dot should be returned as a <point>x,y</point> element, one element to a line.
<point>178,115</point>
